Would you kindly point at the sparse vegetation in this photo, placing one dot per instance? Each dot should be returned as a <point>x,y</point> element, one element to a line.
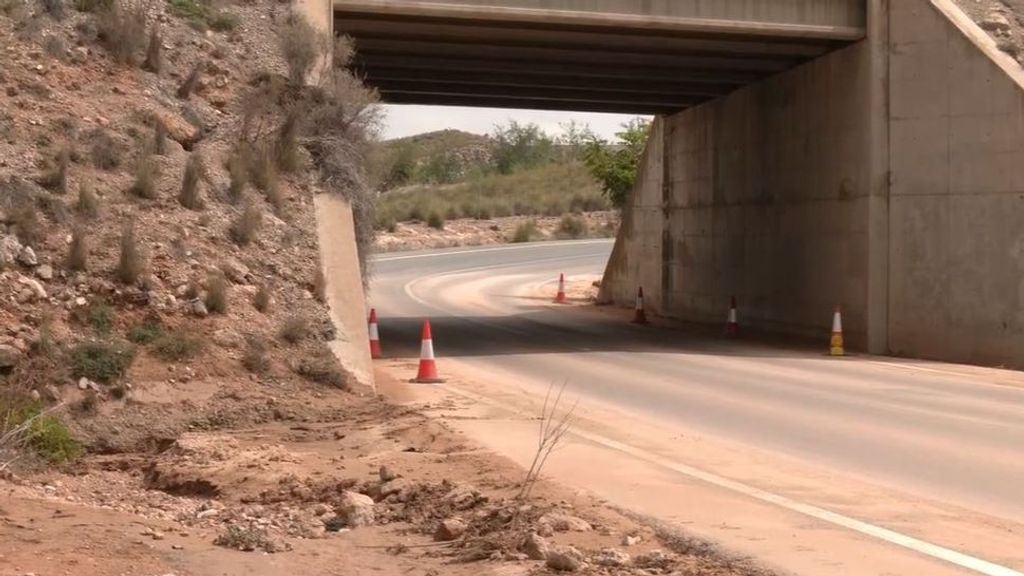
<point>54,8</point>
<point>121,28</point>
<point>320,284</point>
<point>154,61</point>
<point>294,329</point>
<point>144,185</point>
<point>25,424</point>
<point>246,225</point>
<point>255,357</point>
<point>132,261</point>
<point>261,300</point>
<point>572,226</point>
<point>146,332</point>
<point>238,172</point>
<point>25,219</point>
<point>177,345</point>
<point>299,46</point>
<point>322,368</point>
<point>56,180</point>
<point>191,81</point>
<point>435,220</point>
<point>88,205</point>
<point>249,539</point>
<point>525,232</point>
<point>615,165</point>
<point>78,250</point>
<point>216,293</point>
<point>190,196</point>
<point>106,152</point>
<point>102,362</point>
<point>101,317</point>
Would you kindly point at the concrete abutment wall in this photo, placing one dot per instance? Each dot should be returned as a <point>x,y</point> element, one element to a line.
<point>887,177</point>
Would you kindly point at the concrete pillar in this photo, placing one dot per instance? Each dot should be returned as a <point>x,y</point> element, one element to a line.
<point>879,175</point>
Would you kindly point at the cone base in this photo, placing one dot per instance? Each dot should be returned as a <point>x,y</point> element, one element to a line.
<point>641,321</point>
<point>559,300</point>
<point>836,352</point>
<point>427,381</point>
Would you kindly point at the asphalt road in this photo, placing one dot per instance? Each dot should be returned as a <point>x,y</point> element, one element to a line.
<point>947,433</point>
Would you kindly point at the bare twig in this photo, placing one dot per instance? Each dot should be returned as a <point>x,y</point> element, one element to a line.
<point>552,429</point>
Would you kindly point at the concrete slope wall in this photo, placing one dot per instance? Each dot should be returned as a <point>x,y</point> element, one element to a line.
<point>957,199</point>
<point>767,200</point>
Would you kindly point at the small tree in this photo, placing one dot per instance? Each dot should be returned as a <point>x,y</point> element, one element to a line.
<point>520,146</point>
<point>615,165</point>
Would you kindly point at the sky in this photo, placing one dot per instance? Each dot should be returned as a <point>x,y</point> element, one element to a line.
<point>406,120</point>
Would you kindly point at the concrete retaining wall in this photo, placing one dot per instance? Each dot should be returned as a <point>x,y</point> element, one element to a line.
<point>887,177</point>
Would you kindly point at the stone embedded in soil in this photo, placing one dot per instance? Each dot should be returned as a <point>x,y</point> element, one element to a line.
<point>386,474</point>
<point>355,509</point>
<point>611,557</point>
<point>564,559</point>
<point>995,21</point>
<point>450,529</point>
<point>9,356</point>
<point>45,272</point>
<point>653,560</point>
<point>565,523</point>
<point>27,256</point>
<point>630,540</point>
<point>535,547</point>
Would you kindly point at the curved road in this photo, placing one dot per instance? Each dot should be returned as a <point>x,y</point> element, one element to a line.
<point>945,435</point>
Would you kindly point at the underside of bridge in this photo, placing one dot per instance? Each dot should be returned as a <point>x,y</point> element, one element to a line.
<point>586,55</point>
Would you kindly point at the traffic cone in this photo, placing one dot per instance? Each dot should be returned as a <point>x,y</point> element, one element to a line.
<point>560,297</point>
<point>641,316</point>
<point>836,346</point>
<point>732,326</point>
<point>375,351</point>
<point>428,368</point>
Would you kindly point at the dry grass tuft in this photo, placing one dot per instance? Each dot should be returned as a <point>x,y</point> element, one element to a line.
<point>56,180</point>
<point>122,30</point>
<point>144,185</point>
<point>261,300</point>
<point>246,225</point>
<point>154,59</point>
<point>216,293</point>
<point>106,152</point>
<point>255,358</point>
<point>88,205</point>
<point>320,284</point>
<point>78,251</point>
<point>238,171</point>
<point>191,82</point>
<point>190,197</point>
<point>300,49</point>
<point>294,329</point>
<point>132,262</point>
<point>159,138</point>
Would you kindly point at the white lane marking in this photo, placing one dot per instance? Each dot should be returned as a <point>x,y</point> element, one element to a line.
<point>960,559</point>
<point>501,249</point>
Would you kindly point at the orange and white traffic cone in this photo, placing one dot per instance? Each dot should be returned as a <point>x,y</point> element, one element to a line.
<point>428,368</point>
<point>732,326</point>
<point>836,345</point>
<point>560,297</point>
<point>641,315</point>
<point>375,351</point>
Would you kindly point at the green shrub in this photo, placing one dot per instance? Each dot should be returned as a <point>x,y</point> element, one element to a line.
<point>146,332</point>
<point>50,438</point>
<point>435,221</point>
<point>177,346</point>
<point>102,362</point>
<point>101,318</point>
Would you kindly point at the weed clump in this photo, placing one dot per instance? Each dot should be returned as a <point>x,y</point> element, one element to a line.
<point>323,368</point>
<point>572,226</point>
<point>78,251</point>
<point>132,262</point>
<point>144,185</point>
<point>216,293</point>
<point>191,82</point>
<point>246,225</point>
<point>102,362</point>
<point>88,205</point>
<point>255,358</point>
<point>189,197</point>
<point>146,332</point>
<point>121,29</point>
<point>525,231</point>
<point>177,346</point>
<point>106,152</point>
<point>294,329</point>
<point>56,180</point>
<point>435,221</point>
<point>261,300</point>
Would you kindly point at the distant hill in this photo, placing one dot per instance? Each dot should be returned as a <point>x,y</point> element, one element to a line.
<point>442,157</point>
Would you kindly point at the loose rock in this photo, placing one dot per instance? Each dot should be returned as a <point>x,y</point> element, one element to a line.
<point>355,510</point>
<point>535,547</point>
<point>564,559</point>
<point>450,529</point>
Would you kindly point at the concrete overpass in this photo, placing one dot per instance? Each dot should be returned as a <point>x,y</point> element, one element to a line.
<point>807,153</point>
<point>586,55</point>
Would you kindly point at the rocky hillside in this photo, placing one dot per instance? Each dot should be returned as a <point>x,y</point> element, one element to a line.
<point>1003,19</point>
<point>157,230</point>
<point>438,157</point>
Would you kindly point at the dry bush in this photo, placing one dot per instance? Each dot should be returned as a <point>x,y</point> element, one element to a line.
<point>190,197</point>
<point>525,232</point>
<point>25,219</point>
<point>294,329</point>
<point>286,144</point>
<point>261,300</point>
<point>322,367</point>
<point>255,358</point>
<point>56,180</point>
<point>122,30</point>
<point>144,185</point>
<point>246,225</point>
<point>238,172</point>
<point>106,152</point>
<point>299,46</point>
<point>78,251</point>
<point>191,82</point>
<point>154,60</point>
<point>159,138</point>
<point>572,226</point>
<point>320,284</point>
<point>54,8</point>
<point>88,205</point>
<point>132,261</point>
<point>216,293</point>
<point>56,48</point>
